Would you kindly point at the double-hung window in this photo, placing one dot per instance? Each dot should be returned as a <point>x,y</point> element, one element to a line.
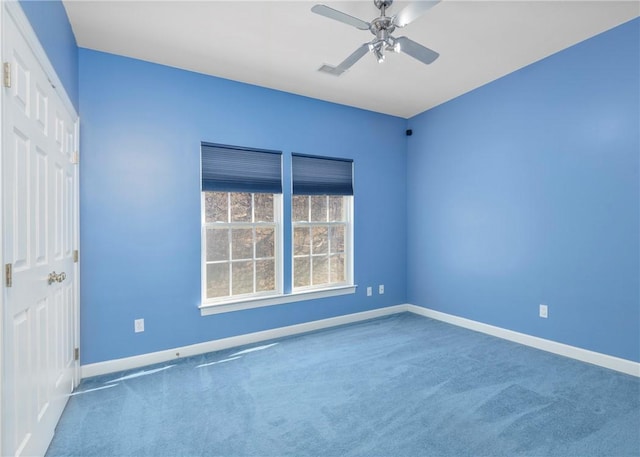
<point>243,256</point>
<point>322,203</point>
<point>241,223</point>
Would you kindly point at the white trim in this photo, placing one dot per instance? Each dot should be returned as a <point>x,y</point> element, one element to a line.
<point>24,26</point>
<point>77,373</point>
<point>584,355</point>
<point>254,302</point>
<point>112,366</point>
<point>3,94</point>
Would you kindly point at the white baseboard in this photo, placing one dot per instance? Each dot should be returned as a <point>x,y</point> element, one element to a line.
<point>584,355</point>
<point>128,363</point>
<point>595,358</point>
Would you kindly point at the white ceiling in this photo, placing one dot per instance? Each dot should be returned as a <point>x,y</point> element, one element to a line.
<point>281,44</point>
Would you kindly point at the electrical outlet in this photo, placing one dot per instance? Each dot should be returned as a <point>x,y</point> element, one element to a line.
<point>369,291</point>
<point>381,289</point>
<point>138,325</point>
<point>544,311</point>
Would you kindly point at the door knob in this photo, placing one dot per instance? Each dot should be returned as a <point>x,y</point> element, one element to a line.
<point>56,277</point>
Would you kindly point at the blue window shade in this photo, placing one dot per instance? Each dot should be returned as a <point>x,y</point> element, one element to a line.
<point>313,175</point>
<point>236,169</point>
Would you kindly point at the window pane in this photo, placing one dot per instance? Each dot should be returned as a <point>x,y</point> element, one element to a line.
<point>336,208</point>
<point>217,244</point>
<point>320,240</point>
<point>240,207</point>
<point>301,272</point>
<point>265,239</point>
<point>301,241</point>
<point>242,244</point>
<point>318,208</point>
<point>263,207</point>
<point>242,273</point>
<point>215,207</point>
<point>320,270</point>
<point>265,275</point>
<point>300,210</point>
<point>217,280</point>
<point>337,239</point>
<point>337,268</point>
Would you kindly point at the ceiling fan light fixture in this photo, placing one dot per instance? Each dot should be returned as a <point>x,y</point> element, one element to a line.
<point>392,46</point>
<point>379,55</point>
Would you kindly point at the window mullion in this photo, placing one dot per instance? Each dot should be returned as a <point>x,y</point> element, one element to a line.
<point>329,273</point>
<point>253,239</point>
<point>230,242</point>
<point>254,261</point>
<point>310,240</point>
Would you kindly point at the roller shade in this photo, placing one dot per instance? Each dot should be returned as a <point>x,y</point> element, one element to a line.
<point>237,169</point>
<point>313,175</point>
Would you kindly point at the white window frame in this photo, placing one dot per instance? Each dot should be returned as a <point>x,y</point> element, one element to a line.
<point>278,243</point>
<point>238,304</point>
<point>348,244</point>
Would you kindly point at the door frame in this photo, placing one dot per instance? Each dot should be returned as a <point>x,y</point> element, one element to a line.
<point>2,103</point>
<point>11,9</point>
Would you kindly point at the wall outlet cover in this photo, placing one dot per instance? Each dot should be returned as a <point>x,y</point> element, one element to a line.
<point>544,311</point>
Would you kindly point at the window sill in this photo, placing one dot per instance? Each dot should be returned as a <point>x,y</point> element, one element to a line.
<point>207,309</point>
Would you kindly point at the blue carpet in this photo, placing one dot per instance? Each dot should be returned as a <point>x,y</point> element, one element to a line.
<point>403,385</point>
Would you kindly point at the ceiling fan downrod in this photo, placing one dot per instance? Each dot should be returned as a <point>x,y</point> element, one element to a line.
<point>382,5</point>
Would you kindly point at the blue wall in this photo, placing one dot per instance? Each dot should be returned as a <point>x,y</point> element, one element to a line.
<point>51,24</point>
<point>525,191</point>
<point>141,129</point>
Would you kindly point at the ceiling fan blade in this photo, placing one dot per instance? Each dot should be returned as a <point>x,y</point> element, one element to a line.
<point>417,51</point>
<point>346,63</point>
<point>325,11</point>
<point>413,11</point>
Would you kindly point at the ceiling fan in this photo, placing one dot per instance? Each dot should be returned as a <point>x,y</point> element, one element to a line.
<point>381,27</point>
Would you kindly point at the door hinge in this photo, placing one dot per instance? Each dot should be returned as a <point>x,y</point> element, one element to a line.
<point>76,353</point>
<point>76,158</point>
<point>76,255</point>
<point>8,274</point>
<point>6,74</point>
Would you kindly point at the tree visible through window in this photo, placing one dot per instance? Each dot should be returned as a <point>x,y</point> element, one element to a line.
<point>240,237</point>
<point>320,240</point>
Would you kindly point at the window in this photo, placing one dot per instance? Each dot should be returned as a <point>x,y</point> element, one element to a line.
<point>322,222</point>
<point>321,235</point>
<point>243,253</point>
<point>241,238</point>
<point>241,223</point>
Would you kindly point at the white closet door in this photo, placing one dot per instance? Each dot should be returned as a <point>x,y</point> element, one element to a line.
<point>39,197</point>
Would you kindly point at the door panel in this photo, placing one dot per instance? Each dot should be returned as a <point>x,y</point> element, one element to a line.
<point>17,171</point>
<point>41,190</point>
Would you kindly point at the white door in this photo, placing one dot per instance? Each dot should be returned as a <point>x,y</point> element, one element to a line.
<point>39,199</point>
